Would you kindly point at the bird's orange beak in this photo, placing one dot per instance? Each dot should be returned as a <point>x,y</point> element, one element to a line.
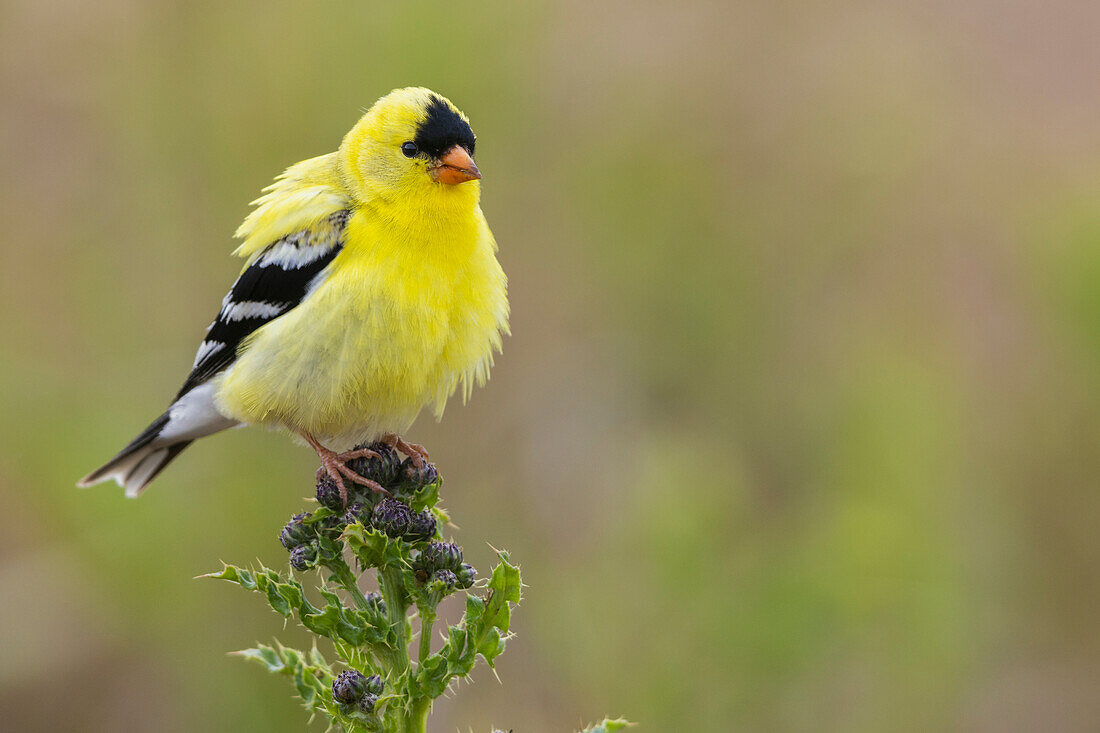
<point>455,166</point>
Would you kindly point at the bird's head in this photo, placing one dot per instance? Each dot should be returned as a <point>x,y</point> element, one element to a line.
<point>412,144</point>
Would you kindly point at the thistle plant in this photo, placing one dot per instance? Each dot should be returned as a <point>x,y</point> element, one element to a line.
<point>373,682</point>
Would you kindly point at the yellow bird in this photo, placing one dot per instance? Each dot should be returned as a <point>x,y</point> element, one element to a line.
<point>371,290</point>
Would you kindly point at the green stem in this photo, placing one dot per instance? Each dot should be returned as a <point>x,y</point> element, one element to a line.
<point>397,606</point>
<point>344,577</point>
<point>427,620</point>
<point>417,720</point>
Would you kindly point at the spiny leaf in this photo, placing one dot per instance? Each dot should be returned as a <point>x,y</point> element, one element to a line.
<point>489,621</point>
<point>373,548</point>
<point>283,595</point>
<point>491,645</point>
<point>318,514</point>
<point>505,579</point>
<point>234,574</point>
<point>425,497</point>
<point>317,659</point>
<point>432,676</point>
<point>334,621</point>
<point>264,655</point>
<point>276,601</point>
<point>458,651</point>
<point>312,681</point>
<point>485,627</point>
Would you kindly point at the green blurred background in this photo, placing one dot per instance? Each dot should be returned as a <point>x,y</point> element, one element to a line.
<point>798,428</point>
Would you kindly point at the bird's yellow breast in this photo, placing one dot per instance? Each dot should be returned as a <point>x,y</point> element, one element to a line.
<point>409,309</point>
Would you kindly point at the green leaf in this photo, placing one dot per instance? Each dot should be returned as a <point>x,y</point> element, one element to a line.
<point>234,574</point>
<point>276,601</point>
<point>442,516</point>
<point>491,646</point>
<point>317,659</point>
<point>318,514</point>
<point>324,622</point>
<point>489,621</point>
<point>264,655</point>
<point>432,676</point>
<point>283,595</point>
<point>373,548</point>
<point>291,593</point>
<point>338,622</point>
<point>286,596</point>
<point>329,549</point>
<point>306,681</point>
<point>608,726</point>
<point>425,497</point>
<point>484,628</point>
<point>505,579</point>
<point>312,680</point>
<point>459,652</point>
<point>475,609</point>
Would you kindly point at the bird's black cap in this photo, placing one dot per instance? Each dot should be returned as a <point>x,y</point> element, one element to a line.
<point>442,129</point>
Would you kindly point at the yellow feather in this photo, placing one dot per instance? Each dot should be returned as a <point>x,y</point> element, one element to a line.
<point>413,306</point>
<point>303,195</point>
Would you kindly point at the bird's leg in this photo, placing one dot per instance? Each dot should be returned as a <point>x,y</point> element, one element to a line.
<point>335,465</point>
<point>414,451</point>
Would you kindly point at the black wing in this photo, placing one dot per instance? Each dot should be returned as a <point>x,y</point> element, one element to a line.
<point>277,281</point>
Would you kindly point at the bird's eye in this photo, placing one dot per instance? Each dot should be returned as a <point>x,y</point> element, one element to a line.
<point>409,149</point>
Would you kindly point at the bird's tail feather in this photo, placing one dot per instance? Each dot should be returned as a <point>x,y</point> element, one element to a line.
<point>139,462</point>
<point>190,417</point>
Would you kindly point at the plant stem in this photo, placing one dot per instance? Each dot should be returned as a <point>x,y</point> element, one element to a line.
<point>427,620</point>
<point>397,606</point>
<point>417,720</point>
<point>344,577</point>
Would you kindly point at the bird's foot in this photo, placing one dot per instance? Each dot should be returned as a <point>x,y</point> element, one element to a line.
<point>358,453</point>
<point>336,466</point>
<point>416,452</point>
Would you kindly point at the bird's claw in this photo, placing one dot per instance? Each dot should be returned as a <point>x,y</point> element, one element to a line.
<point>359,453</point>
<point>415,451</point>
<point>336,466</point>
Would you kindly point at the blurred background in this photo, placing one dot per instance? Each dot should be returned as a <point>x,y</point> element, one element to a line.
<point>798,428</point>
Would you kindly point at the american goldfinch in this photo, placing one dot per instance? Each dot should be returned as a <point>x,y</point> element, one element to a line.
<point>370,291</point>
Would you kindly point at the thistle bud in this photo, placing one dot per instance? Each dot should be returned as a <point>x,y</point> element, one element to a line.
<point>376,603</point>
<point>391,517</point>
<point>367,703</point>
<point>331,526</point>
<point>440,556</point>
<point>303,557</point>
<point>382,469</point>
<point>438,586</point>
<point>375,685</point>
<point>349,687</point>
<point>447,578</point>
<point>414,477</point>
<point>357,512</point>
<point>328,493</point>
<point>421,527</point>
<point>296,531</point>
<point>466,575</point>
